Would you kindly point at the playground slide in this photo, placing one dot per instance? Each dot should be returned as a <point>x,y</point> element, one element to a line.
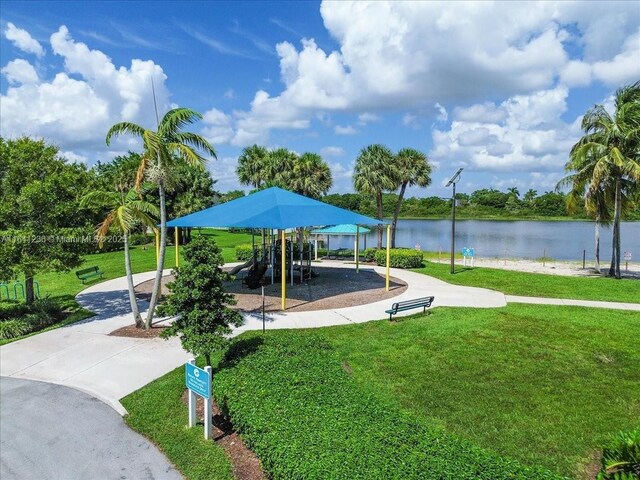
<point>242,266</point>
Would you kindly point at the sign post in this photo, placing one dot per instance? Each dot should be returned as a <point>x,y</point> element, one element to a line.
<point>468,252</point>
<point>627,257</point>
<point>198,381</point>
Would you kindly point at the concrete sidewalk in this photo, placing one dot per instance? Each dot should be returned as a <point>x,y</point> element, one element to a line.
<point>85,357</point>
<point>575,303</point>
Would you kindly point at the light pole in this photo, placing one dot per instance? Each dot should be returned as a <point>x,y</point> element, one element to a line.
<point>453,181</point>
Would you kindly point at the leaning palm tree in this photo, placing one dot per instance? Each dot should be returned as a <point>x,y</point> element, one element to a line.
<point>374,173</point>
<point>412,168</point>
<point>251,166</point>
<point>163,149</point>
<point>612,143</point>
<point>125,211</point>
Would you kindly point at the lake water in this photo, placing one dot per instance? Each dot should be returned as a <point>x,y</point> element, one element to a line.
<point>519,239</point>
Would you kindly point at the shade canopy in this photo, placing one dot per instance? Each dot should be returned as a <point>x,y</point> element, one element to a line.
<point>272,208</point>
<point>344,229</point>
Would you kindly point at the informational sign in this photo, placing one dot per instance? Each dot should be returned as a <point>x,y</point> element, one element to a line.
<point>198,380</point>
<point>627,256</point>
<point>468,253</point>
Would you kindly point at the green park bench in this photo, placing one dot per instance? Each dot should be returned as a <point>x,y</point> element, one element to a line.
<point>410,304</point>
<point>89,273</point>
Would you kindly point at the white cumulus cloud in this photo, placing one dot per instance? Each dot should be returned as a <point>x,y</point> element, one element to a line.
<point>20,71</point>
<point>77,106</point>
<point>23,40</point>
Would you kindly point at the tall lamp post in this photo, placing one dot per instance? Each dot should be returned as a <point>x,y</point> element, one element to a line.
<point>453,181</point>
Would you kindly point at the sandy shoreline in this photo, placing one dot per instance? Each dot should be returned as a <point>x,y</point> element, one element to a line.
<point>553,267</point>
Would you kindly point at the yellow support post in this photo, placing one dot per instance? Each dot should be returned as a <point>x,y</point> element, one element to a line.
<point>157,246</point>
<point>357,249</point>
<point>177,242</point>
<point>283,270</point>
<point>388,254</point>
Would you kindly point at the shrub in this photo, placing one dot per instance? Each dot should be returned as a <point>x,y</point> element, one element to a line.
<point>244,252</point>
<point>370,254</point>
<point>621,458</point>
<point>297,408</point>
<point>400,258</point>
<point>140,239</point>
<point>13,328</point>
<point>17,318</point>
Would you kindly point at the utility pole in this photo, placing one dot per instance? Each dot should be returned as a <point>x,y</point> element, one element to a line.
<point>453,181</point>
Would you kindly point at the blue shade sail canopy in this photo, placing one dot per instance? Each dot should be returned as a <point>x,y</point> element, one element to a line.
<point>344,229</point>
<point>272,208</point>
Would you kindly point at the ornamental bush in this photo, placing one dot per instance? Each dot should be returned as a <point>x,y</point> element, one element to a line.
<point>244,252</point>
<point>370,254</point>
<point>400,258</point>
<point>298,409</point>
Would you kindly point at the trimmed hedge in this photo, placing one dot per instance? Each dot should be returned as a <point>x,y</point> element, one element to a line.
<point>400,258</point>
<point>370,254</point>
<point>244,252</point>
<point>300,412</point>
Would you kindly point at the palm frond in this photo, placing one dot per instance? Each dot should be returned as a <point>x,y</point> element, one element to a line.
<point>195,141</point>
<point>124,128</point>
<point>174,120</point>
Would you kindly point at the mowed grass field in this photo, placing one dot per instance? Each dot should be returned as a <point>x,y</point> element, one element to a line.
<point>546,385</point>
<point>538,284</point>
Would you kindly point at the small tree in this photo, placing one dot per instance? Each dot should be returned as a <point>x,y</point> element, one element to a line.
<point>200,302</point>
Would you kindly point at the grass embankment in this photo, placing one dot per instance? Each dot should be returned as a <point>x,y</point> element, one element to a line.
<point>63,287</point>
<point>538,284</point>
<point>544,385</point>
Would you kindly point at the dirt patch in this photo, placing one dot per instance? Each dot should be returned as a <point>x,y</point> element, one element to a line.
<point>133,332</point>
<point>331,288</point>
<point>245,463</point>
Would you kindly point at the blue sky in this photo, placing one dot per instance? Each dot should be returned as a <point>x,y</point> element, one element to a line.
<point>498,88</point>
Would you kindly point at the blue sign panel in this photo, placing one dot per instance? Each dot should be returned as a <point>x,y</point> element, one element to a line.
<point>468,252</point>
<point>198,380</point>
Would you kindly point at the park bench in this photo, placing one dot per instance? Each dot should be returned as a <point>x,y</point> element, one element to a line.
<point>410,304</point>
<point>89,273</point>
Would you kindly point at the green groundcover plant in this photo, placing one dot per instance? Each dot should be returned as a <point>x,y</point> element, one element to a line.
<point>621,458</point>
<point>298,409</point>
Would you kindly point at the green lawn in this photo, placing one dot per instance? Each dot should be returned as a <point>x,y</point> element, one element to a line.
<point>537,284</point>
<point>545,385</point>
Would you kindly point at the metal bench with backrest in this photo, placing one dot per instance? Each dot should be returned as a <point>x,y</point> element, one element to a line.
<point>424,302</point>
<point>89,273</point>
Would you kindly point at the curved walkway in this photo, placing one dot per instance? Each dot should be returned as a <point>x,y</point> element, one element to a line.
<point>84,356</point>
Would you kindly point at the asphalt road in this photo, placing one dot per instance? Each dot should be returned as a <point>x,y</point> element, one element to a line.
<point>49,431</point>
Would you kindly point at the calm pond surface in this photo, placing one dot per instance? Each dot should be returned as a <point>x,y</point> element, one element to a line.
<point>519,239</point>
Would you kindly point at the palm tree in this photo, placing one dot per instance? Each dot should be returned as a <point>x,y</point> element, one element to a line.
<point>374,173</point>
<point>251,165</point>
<point>125,211</point>
<point>597,198</point>
<point>530,196</point>
<point>612,143</point>
<point>513,191</point>
<point>163,149</point>
<point>311,176</point>
<point>412,168</point>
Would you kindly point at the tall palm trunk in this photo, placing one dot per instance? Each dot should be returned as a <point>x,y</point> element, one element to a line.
<point>132,294</point>
<point>157,284</point>
<point>597,245</point>
<point>394,223</point>
<point>380,213</point>
<point>614,270</point>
